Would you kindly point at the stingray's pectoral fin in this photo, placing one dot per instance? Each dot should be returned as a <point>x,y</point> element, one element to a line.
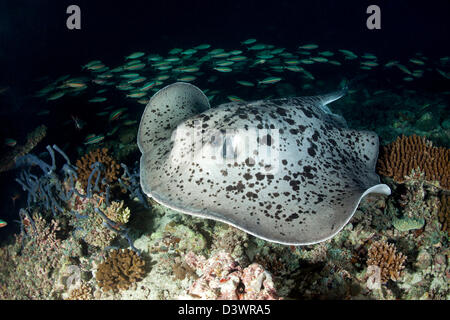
<point>166,109</point>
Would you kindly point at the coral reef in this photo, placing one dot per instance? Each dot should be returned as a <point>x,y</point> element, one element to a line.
<point>117,212</point>
<point>444,213</point>
<point>384,256</point>
<point>223,278</point>
<point>8,160</point>
<point>405,154</point>
<point>85,166</point>
<point>83,292</point>
<point>120,270</point>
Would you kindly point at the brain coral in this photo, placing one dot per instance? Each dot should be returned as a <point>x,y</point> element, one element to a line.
<point>399,158</point>
<point>110,171</point>
<point>120,270</point>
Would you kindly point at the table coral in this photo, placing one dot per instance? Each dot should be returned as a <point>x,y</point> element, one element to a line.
<point>384,256</point>
<point>120,270</point>
<point>405,154</point>
<point>223,278</point>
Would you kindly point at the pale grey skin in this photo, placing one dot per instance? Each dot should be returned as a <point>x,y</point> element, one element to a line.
<point>303,192</point>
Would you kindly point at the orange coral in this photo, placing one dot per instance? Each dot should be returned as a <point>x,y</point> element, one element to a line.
<point>444,213</point>
<point>398,159</point>
<point>110,172</point>
<point>384,256</point>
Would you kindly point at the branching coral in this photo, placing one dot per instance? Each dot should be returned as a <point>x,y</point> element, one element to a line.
<point>120,270</point>
<point>117,212</point>
<point>405,154</point>
<point>85,166</point>
<point>385,257</point>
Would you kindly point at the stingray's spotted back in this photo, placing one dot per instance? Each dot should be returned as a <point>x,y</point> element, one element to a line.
<point>285,170</point>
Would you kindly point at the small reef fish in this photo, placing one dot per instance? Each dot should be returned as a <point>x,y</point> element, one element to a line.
<point>235,99</point>
<point>92,139</point>
<point>245,83</point>
<point>116,114</point>
<point>10,142</point>
<point>56,95</point>
<point>309,46</point>
<point>270,80</point>
<point>223,69</point>
<point>79,124</point>
<point>3,223</point>
<point>135,55</point>
<point>248,41</point>
<point>97,99</point>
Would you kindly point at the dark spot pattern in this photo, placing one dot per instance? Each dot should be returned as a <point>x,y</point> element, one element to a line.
<point>319,175</point>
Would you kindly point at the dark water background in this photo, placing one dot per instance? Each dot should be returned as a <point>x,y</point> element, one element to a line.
<point>35,42</point>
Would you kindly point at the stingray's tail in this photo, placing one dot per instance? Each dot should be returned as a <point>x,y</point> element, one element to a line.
<point>346,85</point>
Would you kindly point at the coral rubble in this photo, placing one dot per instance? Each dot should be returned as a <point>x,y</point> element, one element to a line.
<point>223,278</point>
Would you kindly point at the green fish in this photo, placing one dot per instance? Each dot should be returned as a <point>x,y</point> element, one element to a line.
<point>97,99</point>
<point>417,61</point>
<point>116,114</point>
<point>309,46</point>
<point>175,51</point>
<point>235,99</point>
<point>270,80</point>
<point>223,69</point>
<point>93,139</point>
<point>56,95</point>
<point>187,78</point>
<point>224,63</point>
<point>235,52</point>
<point>189,52</point>
<point>319,59</point>
<point>259,46</point>
<point>3,223</point>
<point>245,83</point>
<point>137,94</point>
<point>237,58</point>
<point>130,122</point>
<point>202,47</point>
<point>135,55</point>
<point>369,63</point>
<point>248,41</point>
<point>10,142</point>
<point>334,62</point>
<point>294,68</point>
<point>326,53</point>
<point>129,75</point>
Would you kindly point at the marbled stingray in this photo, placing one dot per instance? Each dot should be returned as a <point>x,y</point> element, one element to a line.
<point>285,170</point>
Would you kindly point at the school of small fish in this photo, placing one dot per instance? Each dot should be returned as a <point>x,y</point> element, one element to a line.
<point>254,66</point>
